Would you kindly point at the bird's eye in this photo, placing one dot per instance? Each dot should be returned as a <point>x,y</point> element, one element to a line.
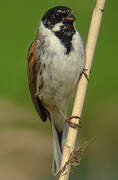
<point>57,15</point>
<point>63,14</point>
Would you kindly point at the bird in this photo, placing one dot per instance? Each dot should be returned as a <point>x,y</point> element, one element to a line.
<point>56,60</point>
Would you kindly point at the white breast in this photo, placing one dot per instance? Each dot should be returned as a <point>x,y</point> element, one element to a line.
<point>61,71</point>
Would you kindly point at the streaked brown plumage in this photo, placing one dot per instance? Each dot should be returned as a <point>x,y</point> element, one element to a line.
<point>32,77</point>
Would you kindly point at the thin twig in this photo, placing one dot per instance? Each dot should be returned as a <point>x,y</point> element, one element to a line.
<point>82,87</point>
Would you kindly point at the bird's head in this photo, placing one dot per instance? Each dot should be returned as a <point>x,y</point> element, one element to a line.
<point>58,18</point>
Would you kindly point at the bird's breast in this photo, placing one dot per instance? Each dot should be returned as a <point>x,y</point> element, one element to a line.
<point>62,71</point>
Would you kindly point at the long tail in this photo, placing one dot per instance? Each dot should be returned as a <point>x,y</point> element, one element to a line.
<point>60,129</point>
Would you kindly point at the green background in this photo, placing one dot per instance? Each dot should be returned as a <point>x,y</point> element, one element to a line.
<point>26,144</point>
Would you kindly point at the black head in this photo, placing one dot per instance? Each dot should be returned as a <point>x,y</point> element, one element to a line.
<point>60,20</point>
<point>56,15</point>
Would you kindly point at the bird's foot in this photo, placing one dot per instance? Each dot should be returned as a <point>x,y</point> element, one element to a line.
<point>73,124</point>
<point>85,74</point>
<point>68,120</point>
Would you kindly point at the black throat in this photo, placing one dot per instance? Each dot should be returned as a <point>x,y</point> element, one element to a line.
<point>65,35</point>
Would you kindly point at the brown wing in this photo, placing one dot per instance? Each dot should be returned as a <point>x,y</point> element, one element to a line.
<point>32,75</point>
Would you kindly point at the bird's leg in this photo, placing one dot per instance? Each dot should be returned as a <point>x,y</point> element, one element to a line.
<point>68,120</point>
<point>62,114</point>
<point>85,74</point>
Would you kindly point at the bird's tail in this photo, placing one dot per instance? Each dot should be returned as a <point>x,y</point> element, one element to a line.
<point>60,129</point>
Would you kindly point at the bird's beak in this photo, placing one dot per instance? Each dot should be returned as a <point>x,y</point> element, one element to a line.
<point>69,18</point>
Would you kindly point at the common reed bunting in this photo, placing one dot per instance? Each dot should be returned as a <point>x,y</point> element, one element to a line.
<point>56,60</point>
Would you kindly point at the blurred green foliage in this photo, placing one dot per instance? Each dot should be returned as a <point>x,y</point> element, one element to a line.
<point>19,21</point>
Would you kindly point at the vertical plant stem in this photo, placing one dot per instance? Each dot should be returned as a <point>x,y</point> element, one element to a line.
<point>82,87</point>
